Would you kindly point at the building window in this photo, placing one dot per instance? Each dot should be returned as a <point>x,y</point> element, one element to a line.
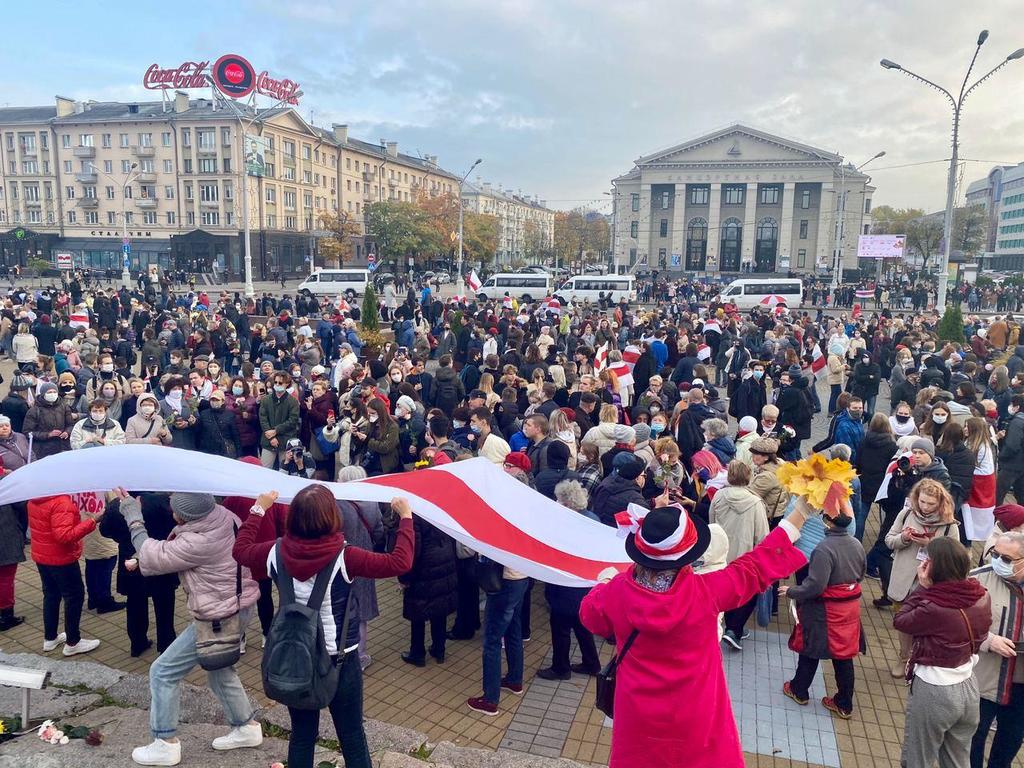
<point>867,205</point>
<point>124,140</point>
<point>210,218</point>
<point>803,229</point>
<point>107,141</point>
<point>145,139</point>
<point>168,166</point>
<point>766,245</point>
<point>662,258</point>
<point>108,166</point>
<point>268,170</point>
<point>188,192</point>
<point>226,163</point>
<point>867,229</point>
<point>149,217</point>
<point>67,166</point>
<point>127,192</point>
<point>111,218</point>
<point>190,218</point>
<point>225,137</point>
<point>801,257</point>
<point>664,201</point>
<point>165,138</point>
<point>71,217</point>
<point>635,201</point>
<point>110,193</point>
<point>186,137</point>
<point>147,166</point>
<point>88,191</point>
<point>663,228</point>
<point>69,193</point>
<point>634,229</point>
<point>696,244</point>
<point>207,165</point>
<point>206,139</point>
<point>209,193</point>
<point>699,195</point>
<point>732,241</point>
<point>126,166</point>
<point>271,221</point>
<point>769,194</point>
<point>289,199</point>
<point>732,194</point>
<point>227,191</point>
<point>30,167</point>
<point>170,217</point>
<point>805,199</point>
<point>187,165</point>
<point>65,141</point>
<point>229,219</point>
<point>271,195</point>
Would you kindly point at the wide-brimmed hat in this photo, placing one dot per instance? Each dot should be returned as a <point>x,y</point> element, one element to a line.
<point>665,538</point>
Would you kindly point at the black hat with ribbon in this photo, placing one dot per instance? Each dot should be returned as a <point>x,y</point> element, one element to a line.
<point>663,538</point>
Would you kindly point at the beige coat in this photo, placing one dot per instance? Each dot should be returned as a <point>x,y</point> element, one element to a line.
<point>903,579</point>
<point>765,483</point>
<point>601,435</point>
<point>836,368</point>
<point>741,514</point>
<point>992,667</point>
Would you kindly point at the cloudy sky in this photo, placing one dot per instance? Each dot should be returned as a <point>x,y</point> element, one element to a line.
<point>559,96</point>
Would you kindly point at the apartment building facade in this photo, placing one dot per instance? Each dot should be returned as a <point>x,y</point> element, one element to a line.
<point>1001,195</point>
<point>526,227</point>
<point>167,176</point>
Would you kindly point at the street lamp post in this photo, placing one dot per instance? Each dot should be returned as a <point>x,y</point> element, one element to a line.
<point>126,277</point>
<point>840,228</point>
<point>957,104</point>
<point>460,286</point>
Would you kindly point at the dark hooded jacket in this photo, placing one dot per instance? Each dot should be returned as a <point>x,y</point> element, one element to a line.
<point>796,408</point>
<point>1014,365</point>
<point>873,457</point>
<point>613,495</point>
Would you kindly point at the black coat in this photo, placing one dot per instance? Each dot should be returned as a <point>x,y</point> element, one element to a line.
<point>904,392</point>
<point>643,370</point>
<point>13,524</point>
<point>218,432</point>
<point>960,465</point>
<point>431,583</point>
<point>156,515</point>
<point>547,479</point>
<point>613,495</point>
<point>14,408</point>
<point>748,399</point>
<point>796,408</point>
<point>873,456</point>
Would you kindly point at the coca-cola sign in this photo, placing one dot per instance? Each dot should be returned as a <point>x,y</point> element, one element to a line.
<point>231,74</point>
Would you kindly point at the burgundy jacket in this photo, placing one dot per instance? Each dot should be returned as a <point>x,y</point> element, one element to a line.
<point>938,617</point>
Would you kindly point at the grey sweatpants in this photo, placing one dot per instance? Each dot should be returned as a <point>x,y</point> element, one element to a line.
<point>941,721</point>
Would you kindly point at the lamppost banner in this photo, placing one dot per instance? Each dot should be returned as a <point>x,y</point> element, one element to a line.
<point>255,154</point>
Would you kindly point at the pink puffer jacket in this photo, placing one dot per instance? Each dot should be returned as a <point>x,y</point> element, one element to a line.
<point>200,553</point>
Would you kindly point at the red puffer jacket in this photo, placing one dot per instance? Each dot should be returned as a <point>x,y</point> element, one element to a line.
<point>948,622</point>
<point>57,530</point>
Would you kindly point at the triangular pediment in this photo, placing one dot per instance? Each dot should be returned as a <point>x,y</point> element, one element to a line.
<point>289,118</point>
<point>738,144</point>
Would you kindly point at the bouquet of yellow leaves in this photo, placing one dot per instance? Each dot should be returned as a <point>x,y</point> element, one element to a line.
<point>825,484</point>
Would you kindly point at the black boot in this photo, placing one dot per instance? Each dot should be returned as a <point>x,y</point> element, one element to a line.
<point>9,620</point>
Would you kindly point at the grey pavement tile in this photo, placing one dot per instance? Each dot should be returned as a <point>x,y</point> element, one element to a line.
<point>546,751</point>
<point>830,757</point>
<point>549,741</point>
<point>522,745</point>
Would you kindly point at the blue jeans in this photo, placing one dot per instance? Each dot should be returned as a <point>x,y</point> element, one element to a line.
<point>503,619</point>
<point>170,669</point>
<point>836,390</point>
<point>860,516</point>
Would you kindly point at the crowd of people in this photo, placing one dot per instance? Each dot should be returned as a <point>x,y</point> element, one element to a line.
<point>677,416</point>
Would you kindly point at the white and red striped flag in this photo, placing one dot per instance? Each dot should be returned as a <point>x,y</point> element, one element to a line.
<point>630,356</point>
<point>818,361</point>
<point>473,281</point>
<point>883,489</point>
<point>703,352</point>
<point>624,372</point>
<point>79,319</point>
<point>865,293</point>
<point>980,505</point>
<point>601,358</point>
<point>712,325</point>
<point>473,501</point>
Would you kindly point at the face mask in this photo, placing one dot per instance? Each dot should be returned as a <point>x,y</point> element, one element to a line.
<point>474,429</point>
<point>50,397</point>
<point>758,374</point>
<point>280,389</point>
<point>372,418</point>
<point>458,424</point>
<point>657,428</point>
<point>107,367</point>
<point>939,418</point>
<point>108,395</point>
<point>174,395</point>
<point>216,403</point>
<point>147,410</point>
<point>237,390</point>
<point>397,377</point>
<point>1001,568</point>
<point>214,371</point>
<point>902,419</point>
<point>98,416</point>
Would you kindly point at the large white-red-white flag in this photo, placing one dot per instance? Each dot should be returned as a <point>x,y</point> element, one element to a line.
<point>474,501</point>
<point>818,362</point>
<point>703,352</point>
<point>473,281</point>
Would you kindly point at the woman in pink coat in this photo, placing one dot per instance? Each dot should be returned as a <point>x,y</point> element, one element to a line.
<point>672,705</point>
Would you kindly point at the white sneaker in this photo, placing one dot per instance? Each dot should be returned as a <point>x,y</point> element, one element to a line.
<point>242,736</point>
<point>84,646</point>
<point>51,645</point>
<point>264,645</point>
<point>160,752</point>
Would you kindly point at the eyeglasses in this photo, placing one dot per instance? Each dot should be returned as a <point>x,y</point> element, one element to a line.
<point>1008,559</point>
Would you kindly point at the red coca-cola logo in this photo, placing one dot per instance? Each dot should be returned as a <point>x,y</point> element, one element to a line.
<point>234,73</point>
<point>234,76</point>
<point>282,90</point>
<point>189,74</point>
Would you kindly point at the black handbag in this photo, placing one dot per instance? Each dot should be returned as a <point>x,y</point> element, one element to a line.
<point>490,575</point>
<point>605,699</point>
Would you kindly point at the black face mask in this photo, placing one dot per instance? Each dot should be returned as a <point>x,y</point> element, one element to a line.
<point>902,419</point>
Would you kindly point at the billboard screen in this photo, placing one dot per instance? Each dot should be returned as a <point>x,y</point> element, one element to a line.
<point>881,246</point>
<point>255,155</point>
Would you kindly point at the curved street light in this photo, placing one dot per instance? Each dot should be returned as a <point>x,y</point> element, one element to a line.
<point>957,103</point>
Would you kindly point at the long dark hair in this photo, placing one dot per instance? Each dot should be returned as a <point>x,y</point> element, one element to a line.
<point>383,417</point>
<point>313,513</point>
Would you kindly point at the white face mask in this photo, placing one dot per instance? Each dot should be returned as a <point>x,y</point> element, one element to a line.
<point>939,418</point>
<point>107,367</point>
<point>372,418</point>
<point>98,416</point>
<point>51,397</point>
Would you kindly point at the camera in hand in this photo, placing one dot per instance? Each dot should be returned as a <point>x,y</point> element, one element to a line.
<point>904,465</point>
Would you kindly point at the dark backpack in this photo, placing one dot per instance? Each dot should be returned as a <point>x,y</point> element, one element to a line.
<point>297,669</point>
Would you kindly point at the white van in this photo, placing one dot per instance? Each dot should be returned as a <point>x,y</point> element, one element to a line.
<point>749,292</point>
<point>336,282</point>
<point>527,286</point>
<point>591,287</point>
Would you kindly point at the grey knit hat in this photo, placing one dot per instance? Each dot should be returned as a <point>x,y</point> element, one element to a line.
<point>643,433</point>
<point>192,506</point>
<point>924,444</point>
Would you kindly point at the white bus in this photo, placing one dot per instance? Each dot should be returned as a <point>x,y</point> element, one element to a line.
<point>749,292</point>
<point>527,286</point>
<point>335,282</point>
<point>591,287</point>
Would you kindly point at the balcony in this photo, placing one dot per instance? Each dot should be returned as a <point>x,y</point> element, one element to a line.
<point>33,203</point>
<point>207,150</point>
<point>27,151</point>
<point>84,151</point>
<point>209,204</point>
<point>367,175</point>
<point>144,151</point>
<point>86,177</point>
<point>146,203</point>
<point>146,177</point>
<point>88,202</point>
<point>392,183</point>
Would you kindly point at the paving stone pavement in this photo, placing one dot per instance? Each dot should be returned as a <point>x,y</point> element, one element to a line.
<point>558,719</point>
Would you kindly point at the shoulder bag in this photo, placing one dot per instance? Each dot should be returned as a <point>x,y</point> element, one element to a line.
<point>605,699</point>
<point>219,642</point>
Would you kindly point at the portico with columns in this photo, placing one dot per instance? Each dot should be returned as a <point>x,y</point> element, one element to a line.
<point>739,201</point>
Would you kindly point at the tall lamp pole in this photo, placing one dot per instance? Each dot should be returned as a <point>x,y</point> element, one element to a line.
<point>460,285</point>
<point>126,277</point>
<point>840,228</point>
<point>957,104</point>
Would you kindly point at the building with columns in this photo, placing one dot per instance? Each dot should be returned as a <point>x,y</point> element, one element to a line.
<point>740,200</point>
